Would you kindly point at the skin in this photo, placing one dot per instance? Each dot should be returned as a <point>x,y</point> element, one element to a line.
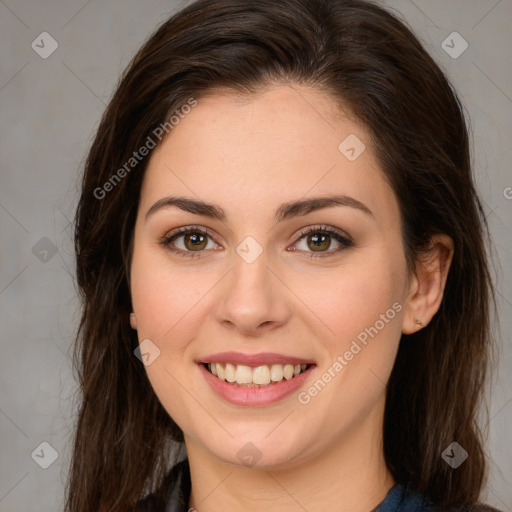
<point>249,155</point>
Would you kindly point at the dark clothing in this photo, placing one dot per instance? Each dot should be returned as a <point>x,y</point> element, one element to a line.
<point>177,493</point>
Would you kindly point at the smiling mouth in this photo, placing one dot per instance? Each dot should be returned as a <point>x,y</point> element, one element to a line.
<point>255,377</point>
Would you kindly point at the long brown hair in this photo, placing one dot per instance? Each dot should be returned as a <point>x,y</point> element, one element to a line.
<point>371,62</point>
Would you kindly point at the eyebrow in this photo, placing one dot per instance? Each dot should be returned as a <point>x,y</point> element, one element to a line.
<point>283,212</point>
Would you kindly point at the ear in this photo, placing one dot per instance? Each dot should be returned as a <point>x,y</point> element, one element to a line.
<point>133,321</point>
<point>427,284</point>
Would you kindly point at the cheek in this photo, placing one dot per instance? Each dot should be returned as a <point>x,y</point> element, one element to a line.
<point>359,307</point>
<point>167,303</point>
<point>361,314</point>
<point>163,296</point>
<point>349,299</point>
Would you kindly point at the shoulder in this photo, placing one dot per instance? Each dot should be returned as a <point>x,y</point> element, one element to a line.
<point>412,501</point>
<point>476,507</point>
<point>173,494</point>
<point>480,507</point>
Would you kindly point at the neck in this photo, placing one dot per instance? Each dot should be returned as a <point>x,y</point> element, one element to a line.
<point>350,475</point>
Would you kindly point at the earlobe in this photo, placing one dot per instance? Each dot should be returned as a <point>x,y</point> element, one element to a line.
<point>133,321</point>
<point>427,287</point>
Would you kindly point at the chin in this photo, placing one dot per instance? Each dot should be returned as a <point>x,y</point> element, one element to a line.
<point>260,453</point>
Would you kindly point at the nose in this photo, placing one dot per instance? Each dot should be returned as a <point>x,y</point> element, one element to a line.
<point>253,298</point>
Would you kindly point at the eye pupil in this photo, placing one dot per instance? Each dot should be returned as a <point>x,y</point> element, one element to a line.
<point>317,237</point>
<point>196,239</point>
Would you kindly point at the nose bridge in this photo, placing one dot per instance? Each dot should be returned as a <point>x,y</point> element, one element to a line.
<point>251,295</point>
<point>250,277</point>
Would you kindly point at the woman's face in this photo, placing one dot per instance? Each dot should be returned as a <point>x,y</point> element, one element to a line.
<point>267,278</point>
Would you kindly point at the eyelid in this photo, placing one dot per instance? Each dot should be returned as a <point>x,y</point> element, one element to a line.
<point>325,228</point>
<point>190,228</point>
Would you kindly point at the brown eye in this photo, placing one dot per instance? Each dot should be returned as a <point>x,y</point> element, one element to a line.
<point>195,241</point>
<point>189,241</point>
<point>317,240</point>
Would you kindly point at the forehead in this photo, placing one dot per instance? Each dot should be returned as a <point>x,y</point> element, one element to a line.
<point>281,144</point>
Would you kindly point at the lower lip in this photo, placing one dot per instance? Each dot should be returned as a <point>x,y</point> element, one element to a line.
<point>242,395</point>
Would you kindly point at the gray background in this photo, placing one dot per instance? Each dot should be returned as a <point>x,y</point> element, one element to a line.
<point>50,109</point>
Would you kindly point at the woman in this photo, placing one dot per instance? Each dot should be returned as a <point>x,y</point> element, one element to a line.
<point>282,259</point>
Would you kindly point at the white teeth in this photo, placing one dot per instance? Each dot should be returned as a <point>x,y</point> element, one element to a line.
<point>261,375</point>
<point>276,372</point>
<point>230,373</point>
<point>221,373</point>
<point>288,371</point>
<point>244,375</point>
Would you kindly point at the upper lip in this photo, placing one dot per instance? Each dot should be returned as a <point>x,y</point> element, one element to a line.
<point>261,359</point>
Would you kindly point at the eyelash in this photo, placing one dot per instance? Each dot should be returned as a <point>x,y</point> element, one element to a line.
<point>326,230</point>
